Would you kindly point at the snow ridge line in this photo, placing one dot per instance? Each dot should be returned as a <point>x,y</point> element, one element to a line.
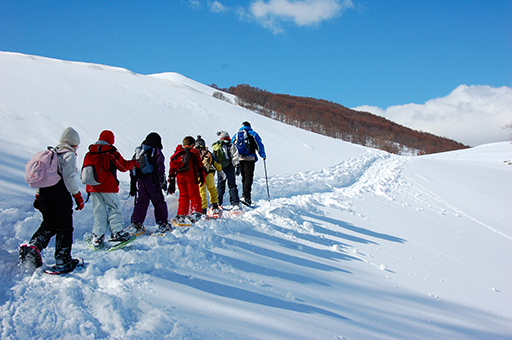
<point>457,210</point>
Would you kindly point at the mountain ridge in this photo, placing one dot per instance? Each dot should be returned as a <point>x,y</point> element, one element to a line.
<point>337,121</point>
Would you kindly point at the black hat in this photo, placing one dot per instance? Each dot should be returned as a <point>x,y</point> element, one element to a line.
<point>246,124</point>
<point>154,140</point>
<point>200,143</point>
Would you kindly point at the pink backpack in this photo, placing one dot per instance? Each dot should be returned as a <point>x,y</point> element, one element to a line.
<point>41,169</point>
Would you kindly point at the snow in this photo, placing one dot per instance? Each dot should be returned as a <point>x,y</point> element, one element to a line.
<point>354,243</point>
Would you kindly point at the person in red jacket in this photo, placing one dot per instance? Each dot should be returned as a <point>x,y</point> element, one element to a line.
<point>105,197</point>
<point>189,177</point>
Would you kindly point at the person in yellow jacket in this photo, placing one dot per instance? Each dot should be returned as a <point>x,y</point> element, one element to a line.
<point>211,165</point>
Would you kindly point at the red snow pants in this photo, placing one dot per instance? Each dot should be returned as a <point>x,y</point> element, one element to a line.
<point>190,198</point>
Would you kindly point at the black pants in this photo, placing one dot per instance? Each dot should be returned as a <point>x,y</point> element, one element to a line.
<point>57,209</point>
<point>247,172</point>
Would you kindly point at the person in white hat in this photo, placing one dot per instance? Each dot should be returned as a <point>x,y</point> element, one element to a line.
<point>56,205</point>
<point>227,155</point>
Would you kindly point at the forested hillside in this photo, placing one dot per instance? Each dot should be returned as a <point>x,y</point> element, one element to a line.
<point>340,122</point>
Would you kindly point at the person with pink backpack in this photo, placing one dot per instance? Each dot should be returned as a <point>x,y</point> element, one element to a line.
<point>54,200</point>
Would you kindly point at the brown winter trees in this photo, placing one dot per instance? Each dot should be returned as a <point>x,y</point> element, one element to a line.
<point>340,122</point>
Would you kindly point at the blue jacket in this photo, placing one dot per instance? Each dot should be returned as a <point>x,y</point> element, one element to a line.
<point>259,144</point>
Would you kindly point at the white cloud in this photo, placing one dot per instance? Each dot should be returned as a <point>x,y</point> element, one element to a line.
<point>302,13</point>
<point>472,115</point>
<point>195,3</point>
<point>218,7</point>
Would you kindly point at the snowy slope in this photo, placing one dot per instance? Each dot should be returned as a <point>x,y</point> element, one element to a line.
<point>40,97</point>
<point>354,244</point>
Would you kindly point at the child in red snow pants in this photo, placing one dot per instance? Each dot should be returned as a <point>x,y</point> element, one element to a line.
<point>190,198</point>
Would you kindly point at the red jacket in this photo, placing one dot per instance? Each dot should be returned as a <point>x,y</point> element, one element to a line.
<point>113,161</point>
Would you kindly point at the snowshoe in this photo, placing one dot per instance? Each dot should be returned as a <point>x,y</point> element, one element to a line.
<point>236,210</point>
<point>119,240</point>
<point>162,229</point>
<point>135,229</point>
<point>65,268</point>
<point>116,241</point>
<point>245,201</point>
<point>181,221</point>
<point>93,241</point>
<point>214,212</point>
<point>195,217</point>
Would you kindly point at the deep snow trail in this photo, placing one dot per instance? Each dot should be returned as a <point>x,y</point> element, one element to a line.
<point>345,252</point>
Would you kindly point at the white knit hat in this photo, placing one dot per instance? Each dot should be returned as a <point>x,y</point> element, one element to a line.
<point>223,135</point>
<point>70,137</point>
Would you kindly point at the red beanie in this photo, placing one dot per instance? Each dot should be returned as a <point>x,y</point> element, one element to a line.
<point>107,136</point>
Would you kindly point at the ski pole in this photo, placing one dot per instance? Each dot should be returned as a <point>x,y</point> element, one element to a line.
<point>266,177</point>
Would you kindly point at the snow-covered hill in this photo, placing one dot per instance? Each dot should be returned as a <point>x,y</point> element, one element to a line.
<point>355,243</point>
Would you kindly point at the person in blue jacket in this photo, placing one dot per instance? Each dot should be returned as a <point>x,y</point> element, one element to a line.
<point>248,142</point>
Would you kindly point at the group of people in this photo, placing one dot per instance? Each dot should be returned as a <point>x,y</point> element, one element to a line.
<point>192,168</point>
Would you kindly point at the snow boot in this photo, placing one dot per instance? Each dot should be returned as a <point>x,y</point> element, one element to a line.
<point>97,241</point>
<point>120,236</point>
<point>30,256</point>
<point>245,201</point>
<point>195,217</point>
<point>135,229</point>
<point>215,208</point>
<point>65,267</point>
<point>162,229</point>
<point>181,221</point>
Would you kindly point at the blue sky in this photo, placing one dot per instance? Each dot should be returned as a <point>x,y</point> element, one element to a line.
<point>353,52</point>
<point>359,52</point>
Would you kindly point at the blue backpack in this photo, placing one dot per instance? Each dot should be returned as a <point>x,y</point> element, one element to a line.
<point>245,143</point>
<point>142,155</point>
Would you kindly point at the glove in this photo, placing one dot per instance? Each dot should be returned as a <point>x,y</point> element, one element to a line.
<point>79,201</point>
<point>222,175</point>
<point>237,170</point>
<point>37,203</point>
<point>133,186</point>
<point>163,183</point>
<point>171,189</point>
<point>202,176</point>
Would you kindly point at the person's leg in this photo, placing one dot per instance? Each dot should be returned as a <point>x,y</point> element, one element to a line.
<point>221,188</point>
<point>157,198</point>
<point>196,204</point>
<point>212,190</point>
<point>183,200</point>
<point>115,214</point>
<point>141,204</point>
<point>204,198</point>
<point>233,189</point>
<point>247,169</point>
<point>64,228</point>
<point>100,224</point>
<point>46,230</point>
